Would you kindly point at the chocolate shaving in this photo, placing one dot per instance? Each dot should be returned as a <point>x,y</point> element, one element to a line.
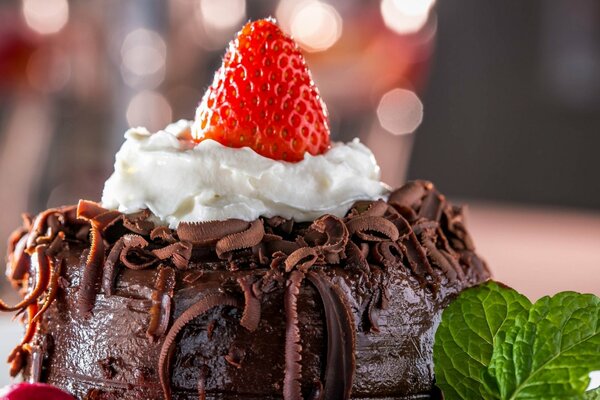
<point>341,363</point>
<point>42,274</point>
<point>301,259</point>
<point>208,302</point>
<point>373,312</point>
<point>19,261</point>
<point>57,244</point>
<point>293,348</point>
<point>252,308</point>
<point>235,356</point>
<point>163,233</point>
<point>181,249</point>
<point>209,233</point>
<point>138,223</point>
<point>328,233</point>
<point>53,286</point>
<point>17,358</point>
<point>411,194</point>
<point>376,209</point>
<point>160,312</point>
<point>40,234</point>
<point>450,270</point>
<point>133,255</point>
<point>88,210</point>
<point>107,219</point>
<point>92,273</point>
<point>432,207</point>
<point>388,254</point>
<point>109,273</point>
<point>202,382</point>
<point>241,240</point>
<point>373,229</point>
<point>417,260</point>
<point>355,258</point>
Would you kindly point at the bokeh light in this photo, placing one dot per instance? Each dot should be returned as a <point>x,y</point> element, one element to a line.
<point>400,111</point>
<point>406,16</point>
<point>46,16</point>
<point>149,109</point>
<point>143,56</point>
<point>222,15</point>
<point>316,25</point>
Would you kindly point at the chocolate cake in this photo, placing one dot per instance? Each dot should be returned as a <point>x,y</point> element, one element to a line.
<point>117,307</point>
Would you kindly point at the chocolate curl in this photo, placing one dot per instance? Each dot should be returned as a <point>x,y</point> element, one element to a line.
<point>209,233</point>
<point>42,276</point>
<point>164,233</point>
<point>17,358</point>
<point>92,273</point>
<point>96,214</point>
<point>55,268</point>
<point>138,223</point>
<point>160,311</point>
<point>432,206</point>
<point>293,348</point>
<point>109,273</point>
<point>355,258</point>
<point>411,194</point>
<point>133,255</point>
<point>341,341</point>
<point>241,240</point>
<point>418,262</point>
<point>19,261</point>
<point>450,267</point>
<point>40,232</point>
<point>376,209</point>
<point>373,311</point>
<point>301,259</point>
<point>252,309</point>
<point>208,302</point>
<point>88,210</point>
<point>179,252</point>
<point>329,234</point>
<point>455,226</point>
<point>373,229</point>
<point>387,254</point>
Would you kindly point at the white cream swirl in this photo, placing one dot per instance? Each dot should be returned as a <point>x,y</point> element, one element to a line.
<point>180,180</point>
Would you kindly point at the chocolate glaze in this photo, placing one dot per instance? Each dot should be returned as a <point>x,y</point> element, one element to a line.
<point>269,309</point>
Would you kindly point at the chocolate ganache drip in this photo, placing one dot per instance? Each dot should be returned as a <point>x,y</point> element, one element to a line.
<point>350,264</point>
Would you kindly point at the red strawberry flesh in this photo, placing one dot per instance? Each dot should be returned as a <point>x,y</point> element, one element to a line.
<point>33,391</point>
<point>263,97</point>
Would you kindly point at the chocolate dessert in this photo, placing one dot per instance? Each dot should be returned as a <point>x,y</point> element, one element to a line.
<point>334,309</point>
<point>244,276</point>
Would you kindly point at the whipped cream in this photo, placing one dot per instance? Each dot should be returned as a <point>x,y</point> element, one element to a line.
<point>181,180</point>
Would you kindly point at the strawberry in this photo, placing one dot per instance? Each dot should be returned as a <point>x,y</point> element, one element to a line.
<point>30,391</point>
<point>263,97</point>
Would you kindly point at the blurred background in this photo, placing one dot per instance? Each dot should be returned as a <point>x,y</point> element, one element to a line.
<point>498,103</point>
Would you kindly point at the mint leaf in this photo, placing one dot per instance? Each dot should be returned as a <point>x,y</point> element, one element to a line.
<point>592,395</point>
<point>493,343</point>
<point>466,337</point>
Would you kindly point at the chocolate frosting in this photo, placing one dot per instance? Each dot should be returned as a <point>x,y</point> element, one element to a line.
<point>340,308</point>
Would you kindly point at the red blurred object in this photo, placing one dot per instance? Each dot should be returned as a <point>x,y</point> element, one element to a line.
<point>33,391</point>
<point>17,44</point>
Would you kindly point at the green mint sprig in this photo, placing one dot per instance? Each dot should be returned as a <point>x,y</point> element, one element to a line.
<point>493,343</point>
